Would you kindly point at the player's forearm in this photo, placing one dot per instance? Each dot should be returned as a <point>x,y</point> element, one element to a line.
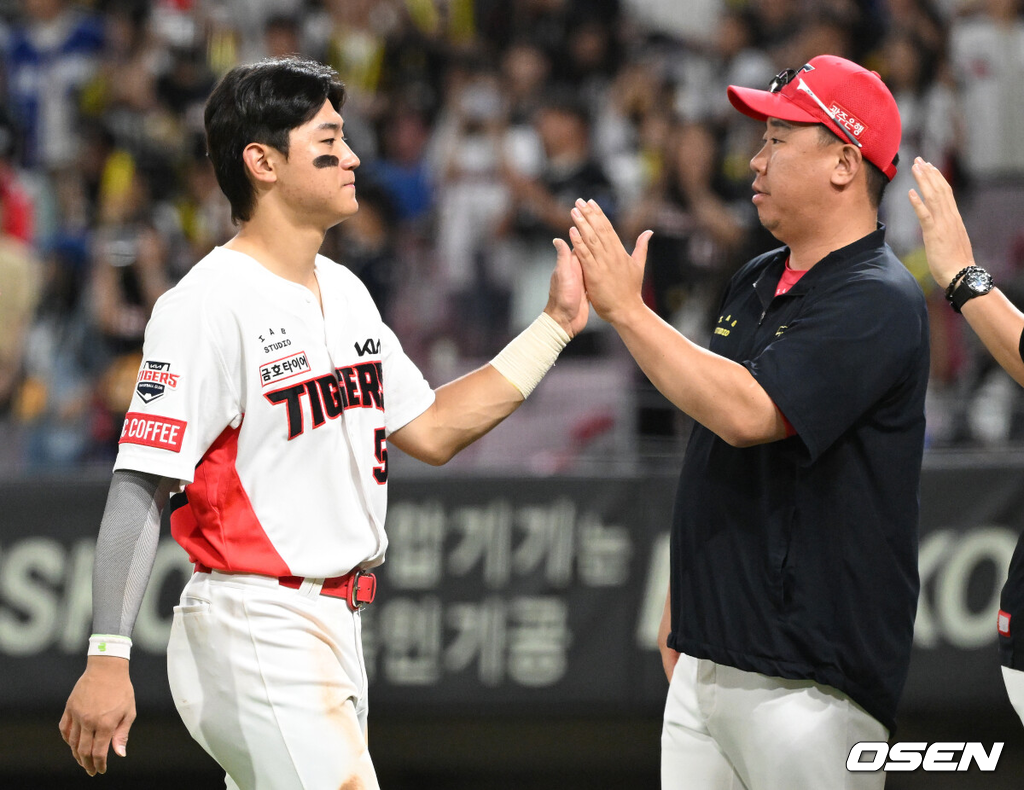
<point>999,325</point>
<point>720,394</point>
<point>467,408</point>
<point>125,549</point>
<point>463,411</point>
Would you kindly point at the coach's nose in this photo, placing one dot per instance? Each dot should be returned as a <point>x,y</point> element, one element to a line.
<point>759,160</point>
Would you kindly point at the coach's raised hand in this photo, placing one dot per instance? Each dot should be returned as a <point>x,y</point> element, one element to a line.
<point>99,713</point>
<point>612,276</point>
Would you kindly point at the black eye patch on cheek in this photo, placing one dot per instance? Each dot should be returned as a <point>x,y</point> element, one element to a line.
<point>327,160</point>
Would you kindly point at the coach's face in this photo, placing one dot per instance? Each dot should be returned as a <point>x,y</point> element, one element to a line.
<point>793,176</point>
<point>318,178</point>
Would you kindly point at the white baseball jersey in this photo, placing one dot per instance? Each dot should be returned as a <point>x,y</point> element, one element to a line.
<point>274,415</point>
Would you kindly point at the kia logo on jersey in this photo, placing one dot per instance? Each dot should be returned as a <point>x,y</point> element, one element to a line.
<point>154,379</point>
<point>369,346</point>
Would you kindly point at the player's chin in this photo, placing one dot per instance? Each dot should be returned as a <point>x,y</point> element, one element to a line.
<point>346,208</point>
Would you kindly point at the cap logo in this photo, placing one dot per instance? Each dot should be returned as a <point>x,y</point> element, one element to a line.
<point>847,120</point>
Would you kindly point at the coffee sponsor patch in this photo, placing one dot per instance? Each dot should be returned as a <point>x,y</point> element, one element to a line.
<point>151,430</point>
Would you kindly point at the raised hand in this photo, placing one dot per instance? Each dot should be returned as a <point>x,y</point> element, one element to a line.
<point>946,242</point>
<point>567,299</point>
<point>613,278</point>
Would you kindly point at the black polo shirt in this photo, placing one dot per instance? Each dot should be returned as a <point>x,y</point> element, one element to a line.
<point>798,558</point>
<point>1011,602</point>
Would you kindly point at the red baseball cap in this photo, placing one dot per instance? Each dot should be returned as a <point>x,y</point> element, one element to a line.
<point>848,99</point>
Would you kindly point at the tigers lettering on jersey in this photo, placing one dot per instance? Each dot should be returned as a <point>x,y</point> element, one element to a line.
<point>353,387</point>
<point>149,430</point>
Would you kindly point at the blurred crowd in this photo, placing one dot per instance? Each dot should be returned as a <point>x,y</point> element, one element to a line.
<point>478,122</point>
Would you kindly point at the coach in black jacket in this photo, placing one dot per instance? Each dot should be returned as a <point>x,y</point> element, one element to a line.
<point>790,617</point>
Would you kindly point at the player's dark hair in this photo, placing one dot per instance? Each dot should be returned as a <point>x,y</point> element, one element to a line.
<point>261,103</point>
<point>876,180</point>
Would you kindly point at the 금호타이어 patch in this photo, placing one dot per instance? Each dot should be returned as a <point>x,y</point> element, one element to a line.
<point>284,368</point>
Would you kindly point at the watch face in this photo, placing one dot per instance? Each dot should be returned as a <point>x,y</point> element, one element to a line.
<point>979,282</point>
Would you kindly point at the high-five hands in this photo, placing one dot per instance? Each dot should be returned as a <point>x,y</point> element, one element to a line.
<point>613,278</point>
<point>567,297</point>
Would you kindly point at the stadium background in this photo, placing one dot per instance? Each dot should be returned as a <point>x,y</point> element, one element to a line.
<point>511,646</point>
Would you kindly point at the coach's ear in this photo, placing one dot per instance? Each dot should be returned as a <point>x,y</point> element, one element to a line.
<point>849,162</point>
<point>259,162</point>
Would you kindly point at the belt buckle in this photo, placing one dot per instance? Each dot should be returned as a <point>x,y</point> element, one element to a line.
<point>353,590</point>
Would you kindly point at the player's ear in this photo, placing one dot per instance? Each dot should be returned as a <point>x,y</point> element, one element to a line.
<point>259,162</point>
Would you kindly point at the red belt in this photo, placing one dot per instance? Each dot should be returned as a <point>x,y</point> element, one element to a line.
<point>358,587</point>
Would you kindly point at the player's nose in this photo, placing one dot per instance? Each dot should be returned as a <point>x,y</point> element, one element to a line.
<point>349,160</point>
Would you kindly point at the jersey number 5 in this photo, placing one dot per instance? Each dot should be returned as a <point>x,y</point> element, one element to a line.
<point>380,473</point>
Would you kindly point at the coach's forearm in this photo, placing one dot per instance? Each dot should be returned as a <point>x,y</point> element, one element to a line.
<point>718,393</point>
<point>463,411</point>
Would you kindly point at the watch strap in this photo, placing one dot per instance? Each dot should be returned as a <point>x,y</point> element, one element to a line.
<point>963,292</point>
<point>956,279</point>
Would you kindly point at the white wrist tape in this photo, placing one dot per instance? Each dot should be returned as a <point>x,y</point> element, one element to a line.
<point>110,645</point>
<point>531,354</point>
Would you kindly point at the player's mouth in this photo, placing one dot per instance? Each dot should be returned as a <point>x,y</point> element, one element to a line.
<point>759,194</point>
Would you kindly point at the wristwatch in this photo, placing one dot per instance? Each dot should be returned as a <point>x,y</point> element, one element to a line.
<point>969,282</point>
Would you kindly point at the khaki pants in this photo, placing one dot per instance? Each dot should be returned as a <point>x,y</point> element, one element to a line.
<point>727,729</point>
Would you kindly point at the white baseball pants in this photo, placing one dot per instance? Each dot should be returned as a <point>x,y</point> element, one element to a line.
<point>270,681</point>
<point>727,729</point>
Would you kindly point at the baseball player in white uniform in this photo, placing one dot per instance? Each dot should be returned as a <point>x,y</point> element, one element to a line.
<point>268,394</point>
